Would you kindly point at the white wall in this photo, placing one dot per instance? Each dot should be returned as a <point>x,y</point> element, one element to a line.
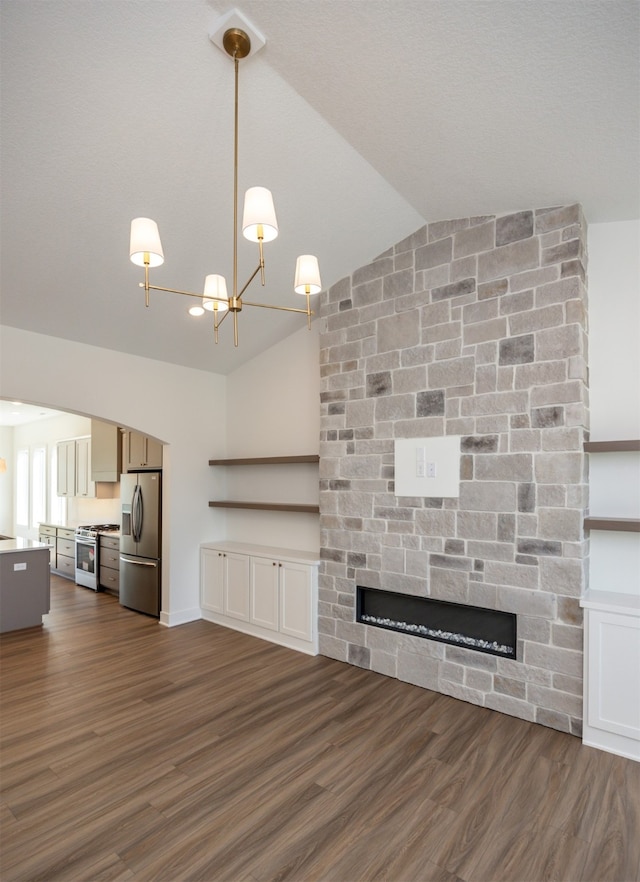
<point>6,482</point>
<point>614,330</point>
<point>177,405</point>
<point>614,381</point>
<point>274,409</point>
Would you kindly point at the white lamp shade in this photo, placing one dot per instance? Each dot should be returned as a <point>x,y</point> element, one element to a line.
<point>145,240</point>
<point>259,217</point>
<point>307,279</point>
<point>215,287</point>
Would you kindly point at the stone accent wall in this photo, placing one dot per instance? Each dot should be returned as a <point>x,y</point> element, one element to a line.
<point>474,327</point>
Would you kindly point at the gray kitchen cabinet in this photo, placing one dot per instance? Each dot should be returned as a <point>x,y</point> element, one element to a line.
<point>74,468</point>
<point>47,535</point>
<point>24,584</point>
<point>140,451</point>
<point>106,452</point>
<point>66,459</point>
<point>109,558</point>
<point>85,487</point>
<point>62,548</point>
<point>66,552</point>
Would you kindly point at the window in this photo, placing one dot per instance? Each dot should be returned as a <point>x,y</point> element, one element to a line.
<point>57,504</point>
<point>22,488</point>
<point>38,486</point>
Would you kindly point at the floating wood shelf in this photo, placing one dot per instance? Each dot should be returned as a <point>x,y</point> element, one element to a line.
<point>266,460</point>
<point>620,525</point>
<point>611,446</point>
<point>267,506</point>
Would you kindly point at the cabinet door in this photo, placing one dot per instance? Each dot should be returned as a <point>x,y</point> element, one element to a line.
<point>236,586</point>
<point>212,580</point>
<point>84,485</point>
<point>142,452</point>
<point>136,452</point>
<point>614,673</point>
<point>66,465</point>
<point>264,592</point>
<point>296,600</point>
<point>153,458</point>
<point>106,457</point>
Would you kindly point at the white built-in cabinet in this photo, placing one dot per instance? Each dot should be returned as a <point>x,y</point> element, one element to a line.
<point>74,468</point>
<point>270,593</point>
<point>612,672</point>
<point>612,620</point>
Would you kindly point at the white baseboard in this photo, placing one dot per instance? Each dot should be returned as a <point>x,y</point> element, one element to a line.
<point>181,617</point>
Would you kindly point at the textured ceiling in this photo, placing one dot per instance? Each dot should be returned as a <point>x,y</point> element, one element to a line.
<point>365,119</point>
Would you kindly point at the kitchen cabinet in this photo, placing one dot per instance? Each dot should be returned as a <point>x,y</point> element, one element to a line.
<point>74,468</point>
<point>140,451</point>
<point>47,535</point>
<point>66,460</point>
<point>84,485</point>
<point>109,563</point>
<point>62,548</point>
<point>267,592</point>
<point>106,452</point>
<point>66,552</point>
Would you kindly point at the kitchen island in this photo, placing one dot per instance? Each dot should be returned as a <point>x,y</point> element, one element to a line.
<point>24,583</point>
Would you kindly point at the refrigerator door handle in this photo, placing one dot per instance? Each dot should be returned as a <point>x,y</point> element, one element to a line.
<point>140,563</point>
<point>137,513</point>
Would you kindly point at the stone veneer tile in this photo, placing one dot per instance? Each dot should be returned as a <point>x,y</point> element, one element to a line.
<point>474,239</point>
<point>514,227</point>
<point>488,341</point>
<point>434,254</point>
<point>508,259</point>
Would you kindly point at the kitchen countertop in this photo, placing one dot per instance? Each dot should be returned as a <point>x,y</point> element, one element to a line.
<point>19,544</point>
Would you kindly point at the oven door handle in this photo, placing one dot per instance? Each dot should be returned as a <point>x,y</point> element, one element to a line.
<point>89,542</point>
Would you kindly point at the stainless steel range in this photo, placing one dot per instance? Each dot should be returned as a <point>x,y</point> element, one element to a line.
<point>87,551</point>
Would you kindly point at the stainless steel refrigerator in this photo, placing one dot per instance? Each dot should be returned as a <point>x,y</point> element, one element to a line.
<point>140,541</point>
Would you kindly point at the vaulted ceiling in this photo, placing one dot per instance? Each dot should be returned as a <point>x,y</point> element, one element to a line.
<point>365,119</point>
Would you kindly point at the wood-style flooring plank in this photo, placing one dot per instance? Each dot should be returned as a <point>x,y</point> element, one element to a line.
<point>133,752</point>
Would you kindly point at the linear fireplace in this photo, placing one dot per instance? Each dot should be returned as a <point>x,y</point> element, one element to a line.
<point>470,627</point>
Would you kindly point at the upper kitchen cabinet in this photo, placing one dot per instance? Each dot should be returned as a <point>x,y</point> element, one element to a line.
<point>74,468</point>
<point>106,452</point>
<point>140,452</point>
<point>84,485</point>
<point>66,459</point>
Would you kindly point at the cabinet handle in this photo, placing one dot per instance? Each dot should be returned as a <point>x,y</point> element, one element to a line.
<point>274,564</point>
<point>279,564</point>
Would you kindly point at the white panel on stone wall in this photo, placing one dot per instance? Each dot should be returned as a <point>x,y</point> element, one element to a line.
<point>427,466</point>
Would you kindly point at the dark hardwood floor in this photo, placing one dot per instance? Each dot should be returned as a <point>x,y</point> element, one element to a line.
<point>132,751</point>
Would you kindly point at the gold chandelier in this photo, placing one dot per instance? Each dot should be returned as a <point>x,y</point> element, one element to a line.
<point>259,225</point>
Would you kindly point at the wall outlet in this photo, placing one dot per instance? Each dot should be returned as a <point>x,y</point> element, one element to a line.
<point>428,467</point>
<point>19,566</point>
